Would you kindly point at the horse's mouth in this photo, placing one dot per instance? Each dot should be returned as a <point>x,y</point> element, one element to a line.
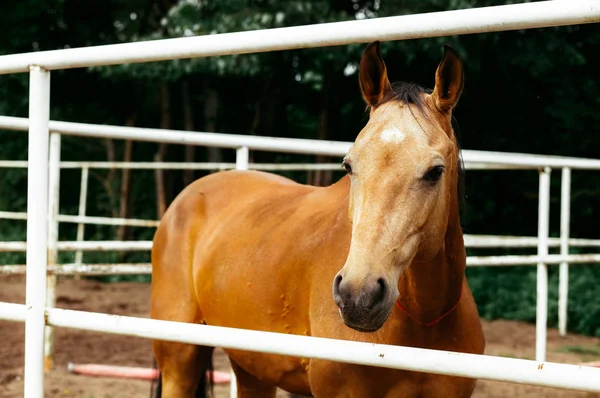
<point>362,330</point>
<point>364,323</point>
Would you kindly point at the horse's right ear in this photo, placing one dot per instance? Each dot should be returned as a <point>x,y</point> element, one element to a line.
<point>449,81</point>
<point>372,75</point>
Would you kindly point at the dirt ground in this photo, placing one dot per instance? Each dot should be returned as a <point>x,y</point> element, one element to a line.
<point>504,338</point>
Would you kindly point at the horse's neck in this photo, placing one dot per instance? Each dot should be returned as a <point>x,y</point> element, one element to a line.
<point>430,289</point>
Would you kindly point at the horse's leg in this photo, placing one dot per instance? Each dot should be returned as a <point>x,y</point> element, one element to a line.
<point>182,368</point>
<point>249,386</point>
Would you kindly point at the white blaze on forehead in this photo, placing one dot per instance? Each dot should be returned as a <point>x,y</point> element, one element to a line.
<point>392,135</point>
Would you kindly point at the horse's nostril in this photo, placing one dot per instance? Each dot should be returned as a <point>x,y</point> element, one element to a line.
<point>338,280</point>
<point>382,289</point>
<point>375,293</point>
<point>336,285</point>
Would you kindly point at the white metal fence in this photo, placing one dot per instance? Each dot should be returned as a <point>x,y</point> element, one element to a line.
<point>42,210</point>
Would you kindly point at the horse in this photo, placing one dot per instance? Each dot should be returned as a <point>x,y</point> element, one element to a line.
<point>378,256</point>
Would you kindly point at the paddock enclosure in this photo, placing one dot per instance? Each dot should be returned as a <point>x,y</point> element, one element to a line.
<point>42,308</point>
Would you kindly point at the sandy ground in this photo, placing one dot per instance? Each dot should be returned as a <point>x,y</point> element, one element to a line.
<point>504,338</point>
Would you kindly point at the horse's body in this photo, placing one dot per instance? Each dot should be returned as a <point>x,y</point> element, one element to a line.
<point>256,251</point>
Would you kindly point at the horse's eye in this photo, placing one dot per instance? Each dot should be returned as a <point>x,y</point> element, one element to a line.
<point>434,173</point>
<point>346,165</point>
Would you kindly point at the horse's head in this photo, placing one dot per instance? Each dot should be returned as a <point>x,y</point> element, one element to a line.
<point>403,170</point>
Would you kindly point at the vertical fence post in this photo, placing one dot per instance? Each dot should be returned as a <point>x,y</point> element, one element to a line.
<point>241,158</point>
<point>37,230</point>
<point>565,218</point>
<point>82,210</point>
<point>53,209</point>
<point>241,163</point>
<point>542,268</point>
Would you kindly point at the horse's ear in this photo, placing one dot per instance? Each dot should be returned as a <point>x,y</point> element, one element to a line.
<point>373,79</point>
<point>449,81</point>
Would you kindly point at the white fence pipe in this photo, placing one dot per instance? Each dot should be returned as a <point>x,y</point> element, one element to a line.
<point>13,164</point>
<point>37,231</point>
<point>472,260</point>
<point>22,164</point>
<point>146,269</point>
<point>85,269</point>
<point>542,268</point>
<point>494,241</point>
<point>12,312</point>
<point>98,245</point>
<point>563,279</point>
<point>181,137</point>
<point>523,371</point>
<point>107,221</point>
<point>473,165</point>
<point>289,145</point>
<point>82,209</point>
<point>233,387</point>
<point>425,25</point>
<point>530,160</point>
<point>484,261</point>
<point>13,215</point>
<point>540,160</point>
<point>471,241</point>
<point>242,156</point>
<point>53,208</point>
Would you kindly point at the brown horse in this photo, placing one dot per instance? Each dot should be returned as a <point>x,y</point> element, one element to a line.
<point>377,257</point>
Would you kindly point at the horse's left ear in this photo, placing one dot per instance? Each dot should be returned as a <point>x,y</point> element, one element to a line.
<point>449,81</point>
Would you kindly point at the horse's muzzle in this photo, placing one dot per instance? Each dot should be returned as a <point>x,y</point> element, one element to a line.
<point>363,307</point>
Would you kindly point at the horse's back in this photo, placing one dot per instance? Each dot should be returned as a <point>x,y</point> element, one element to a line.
<point>220,210</point>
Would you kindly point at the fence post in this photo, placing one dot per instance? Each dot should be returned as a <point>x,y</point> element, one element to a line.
<point>53,209</point>
<point>37,230</point>
<point>82,210</point>
<point>563,281</point>
<point>241,163</point>
<point>542,268</point>
<point>241,158</point>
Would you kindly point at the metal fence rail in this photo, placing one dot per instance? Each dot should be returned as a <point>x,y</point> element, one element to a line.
<point>288,145</point>
<point>393,357</point>
<point>467,21</point>
<point>471,241</point>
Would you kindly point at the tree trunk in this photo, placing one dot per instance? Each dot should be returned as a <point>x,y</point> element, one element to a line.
<point>125,183</point>
<point>188,121</point>
<point>110,176</point>
<point>324,177</point>
<point>165,123</point>
<point>211,107</point>
<point>269,111</point>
